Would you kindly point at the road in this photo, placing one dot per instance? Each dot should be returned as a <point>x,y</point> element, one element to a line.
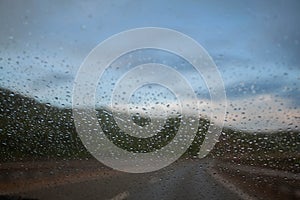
<point>188,179</point>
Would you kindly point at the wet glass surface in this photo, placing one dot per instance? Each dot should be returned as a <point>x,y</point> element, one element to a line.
<point>254,44</point>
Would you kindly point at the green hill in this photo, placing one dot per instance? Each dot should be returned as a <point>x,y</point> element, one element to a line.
<point>32,130</point>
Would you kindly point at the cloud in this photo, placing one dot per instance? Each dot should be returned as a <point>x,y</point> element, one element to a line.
<point>265,112</point>
<point>255,45</point>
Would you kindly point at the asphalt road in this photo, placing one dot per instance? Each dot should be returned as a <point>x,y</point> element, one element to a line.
<point>181,180</point>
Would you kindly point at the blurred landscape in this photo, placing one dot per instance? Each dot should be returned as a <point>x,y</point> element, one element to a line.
<point>40,147</point>
<point>34,131</point>
<point>255,45</point>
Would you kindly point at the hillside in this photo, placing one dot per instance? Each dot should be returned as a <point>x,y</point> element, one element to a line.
<point>32,130</point>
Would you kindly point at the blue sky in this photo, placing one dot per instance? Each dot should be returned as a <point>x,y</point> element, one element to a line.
<point>255,45</point>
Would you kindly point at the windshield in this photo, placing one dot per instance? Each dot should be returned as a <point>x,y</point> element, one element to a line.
<point>149,99</point>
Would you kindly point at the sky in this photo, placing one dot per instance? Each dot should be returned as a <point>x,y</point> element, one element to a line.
<point>255,45</point>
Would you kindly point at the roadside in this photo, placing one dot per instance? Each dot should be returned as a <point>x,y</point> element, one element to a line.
<point>257,182</point>
<point>25,176</point>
